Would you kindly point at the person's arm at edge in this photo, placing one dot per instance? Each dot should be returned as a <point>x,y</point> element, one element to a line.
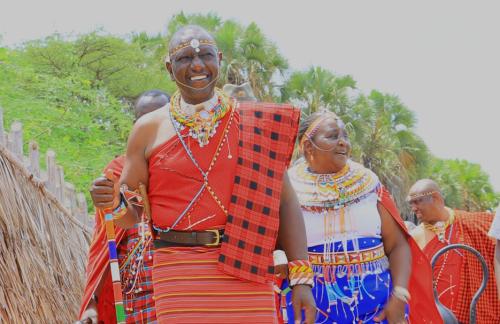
<point>497,266</point>
<point>293,239</point>
<point>398,252</point>
<point>135,169</point>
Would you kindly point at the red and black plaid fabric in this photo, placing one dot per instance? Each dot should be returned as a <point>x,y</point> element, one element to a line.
<point>267,137</point>
<point>473,231</point>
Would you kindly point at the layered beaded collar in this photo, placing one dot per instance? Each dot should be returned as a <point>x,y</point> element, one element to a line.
<point>324,192</point>
<point>203,123</point>
<point>191,109</point>
<point>440,227</point>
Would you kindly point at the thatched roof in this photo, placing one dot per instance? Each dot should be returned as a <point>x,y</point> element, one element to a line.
<point>43,250</point>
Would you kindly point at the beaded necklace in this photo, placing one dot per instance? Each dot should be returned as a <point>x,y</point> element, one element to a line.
<point>203,124</point>
<point>440,227</point>
<point>326,192</point>
<point>205,185</point>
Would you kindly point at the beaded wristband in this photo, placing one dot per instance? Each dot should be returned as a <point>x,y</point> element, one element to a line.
<point>122,209</point>
<point>401,294</point>
<point>300,273</point>
<point>279,257</point>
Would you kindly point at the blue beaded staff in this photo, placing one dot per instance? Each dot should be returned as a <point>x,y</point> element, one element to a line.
<point>113,260</point>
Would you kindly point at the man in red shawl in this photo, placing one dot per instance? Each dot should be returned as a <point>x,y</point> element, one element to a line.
<point>495,234</point>
<point>134,251</point>
<point>457,274</point>
<point>216,176</point>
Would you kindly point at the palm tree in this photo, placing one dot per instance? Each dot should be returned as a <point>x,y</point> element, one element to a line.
<point>464,185</point>
<point>387,144</point>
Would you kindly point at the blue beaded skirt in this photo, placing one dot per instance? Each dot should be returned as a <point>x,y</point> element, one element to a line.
<point>354,293</point>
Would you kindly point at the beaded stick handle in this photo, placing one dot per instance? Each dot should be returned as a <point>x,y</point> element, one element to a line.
<point>113,260</point>
<point>144,195</point>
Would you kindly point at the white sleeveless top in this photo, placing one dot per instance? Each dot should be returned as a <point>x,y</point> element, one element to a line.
<point>362,220</point>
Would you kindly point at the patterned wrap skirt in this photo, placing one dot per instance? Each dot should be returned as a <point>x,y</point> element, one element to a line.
<point>188,288</point>
<point>354,293</point>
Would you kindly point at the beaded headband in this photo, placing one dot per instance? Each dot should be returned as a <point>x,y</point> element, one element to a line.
<point>422,194</point>
<point>316,124</point>
<point>194,43</point>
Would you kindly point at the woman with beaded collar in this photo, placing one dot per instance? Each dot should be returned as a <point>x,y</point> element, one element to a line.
<point>354,234</point>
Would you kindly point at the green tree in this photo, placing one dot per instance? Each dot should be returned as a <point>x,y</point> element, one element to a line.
<point>464,185</point>
<point>388,144</point>
<point>86,127</point>
<point>125,67</point>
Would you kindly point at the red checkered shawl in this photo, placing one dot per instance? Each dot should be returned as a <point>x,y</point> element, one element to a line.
<point>422,306</point>
<point>473,231</point>
<point>266,140</point>
<point>99,260</point>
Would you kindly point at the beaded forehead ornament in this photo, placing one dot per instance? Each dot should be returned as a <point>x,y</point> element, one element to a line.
<point>421,194</point>
<point>194,43</point>
<point>325,115</point>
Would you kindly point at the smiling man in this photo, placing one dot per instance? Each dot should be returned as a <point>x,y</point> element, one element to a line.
<point>457,274</point>
<point>219,194</point>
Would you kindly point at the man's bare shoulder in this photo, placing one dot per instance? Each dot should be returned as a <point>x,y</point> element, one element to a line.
<point>153,118</point>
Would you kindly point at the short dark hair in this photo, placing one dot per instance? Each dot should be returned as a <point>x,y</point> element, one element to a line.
<point>151,93</point>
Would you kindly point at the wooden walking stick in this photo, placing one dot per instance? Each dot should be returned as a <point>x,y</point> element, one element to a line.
<point>113,260</point>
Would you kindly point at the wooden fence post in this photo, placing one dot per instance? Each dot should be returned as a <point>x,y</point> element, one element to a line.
<point>34,152</point>
<point>71,195</point>
<point>60,184</point>
<point>16,132</point>
<point>51,171</point>
<point>2,133</point>
<point>83,214</point>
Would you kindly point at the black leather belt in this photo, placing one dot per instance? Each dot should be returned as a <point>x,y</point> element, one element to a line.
<point>207,238</point>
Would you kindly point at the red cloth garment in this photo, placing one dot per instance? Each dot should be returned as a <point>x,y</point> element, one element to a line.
<point>142,302</point>
<point>175,180</point>
<point>267,137</point>
<point>423,309</point>
<point>473,231</point>
<point>448,284</point>
<point>99,260</point>
<point>189,289</point>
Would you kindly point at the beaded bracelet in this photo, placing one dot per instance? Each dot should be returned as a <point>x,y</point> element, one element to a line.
<point>401,294</point>
<point>122,209</point>
<point>300,273</point>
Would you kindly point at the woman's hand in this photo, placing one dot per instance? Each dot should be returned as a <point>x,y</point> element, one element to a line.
<point>394,312</point>
<point>302,299</point>
<point>281,271</point>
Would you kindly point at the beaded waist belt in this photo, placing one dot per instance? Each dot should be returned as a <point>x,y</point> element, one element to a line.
<point>344,258</point>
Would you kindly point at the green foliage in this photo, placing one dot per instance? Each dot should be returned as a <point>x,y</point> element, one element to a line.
<point>86,127</point>
<point>125,67</point>
<point>464,185</point>
<point>73,94</point>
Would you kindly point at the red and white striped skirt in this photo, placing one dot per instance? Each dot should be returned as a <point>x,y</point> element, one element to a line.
<point>188,288</point>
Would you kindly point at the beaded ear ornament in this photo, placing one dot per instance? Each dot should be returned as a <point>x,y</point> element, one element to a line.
<point>194,43</point>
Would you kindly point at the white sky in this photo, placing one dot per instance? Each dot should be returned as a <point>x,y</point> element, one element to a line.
<point>440,57</point>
